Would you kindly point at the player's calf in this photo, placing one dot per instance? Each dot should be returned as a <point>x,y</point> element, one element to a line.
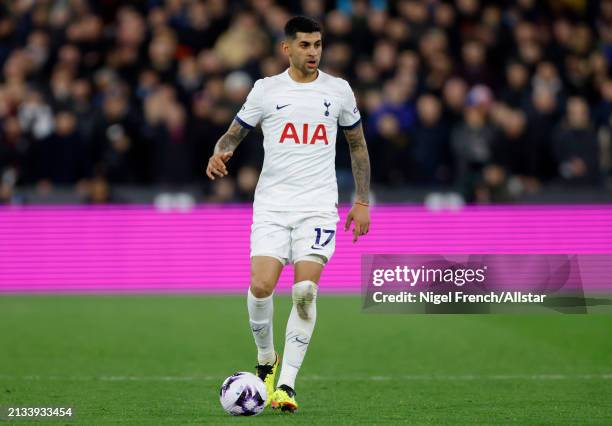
<point>299,331</point>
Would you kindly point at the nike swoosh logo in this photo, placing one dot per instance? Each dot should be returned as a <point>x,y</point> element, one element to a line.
<point>281,107</point>
<point>316,248</point>
<point>303,342</point>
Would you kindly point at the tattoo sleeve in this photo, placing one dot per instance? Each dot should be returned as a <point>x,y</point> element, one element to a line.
<point>360,161</point>
<point>232,138</point>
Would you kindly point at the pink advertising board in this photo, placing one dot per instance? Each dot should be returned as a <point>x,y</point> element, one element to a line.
<point>138,249</point>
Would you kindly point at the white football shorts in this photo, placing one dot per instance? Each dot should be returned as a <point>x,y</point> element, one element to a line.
<point>294,236</point>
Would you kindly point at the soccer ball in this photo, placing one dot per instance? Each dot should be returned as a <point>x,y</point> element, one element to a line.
<point>243,394</point>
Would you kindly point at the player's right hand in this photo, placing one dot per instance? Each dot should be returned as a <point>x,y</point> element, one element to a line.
<point>216,164</point>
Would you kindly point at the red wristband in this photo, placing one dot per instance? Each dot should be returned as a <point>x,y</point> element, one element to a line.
<point>362,204</point>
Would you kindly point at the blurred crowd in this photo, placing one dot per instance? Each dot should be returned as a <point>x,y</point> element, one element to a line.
<point>494,98</point>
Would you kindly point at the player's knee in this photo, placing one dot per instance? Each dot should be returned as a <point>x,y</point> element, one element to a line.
<point>304,294</point>
<point>261,287</point>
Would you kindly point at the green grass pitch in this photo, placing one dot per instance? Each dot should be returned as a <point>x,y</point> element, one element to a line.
<point>161,359</point>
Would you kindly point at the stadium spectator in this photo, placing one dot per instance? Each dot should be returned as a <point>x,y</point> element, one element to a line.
<point>472,141</point>
<point>542,115</point>
<point>63,155</point>
<point>454,93</point>
<point>474,68</point>
<point>389,125</point>
<point>115,138</point>
<point>430,143</point>
<point>575,145</point>
<point>516,90</point>
<point>14,148</point>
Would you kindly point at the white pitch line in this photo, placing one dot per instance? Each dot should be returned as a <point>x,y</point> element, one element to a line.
<point>407,377</point>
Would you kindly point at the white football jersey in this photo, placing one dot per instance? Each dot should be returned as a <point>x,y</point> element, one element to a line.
<point>299,123</point>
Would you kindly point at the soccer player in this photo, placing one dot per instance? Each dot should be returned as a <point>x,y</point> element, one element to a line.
<point>296,200</point>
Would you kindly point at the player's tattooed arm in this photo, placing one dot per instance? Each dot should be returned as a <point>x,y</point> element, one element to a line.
<point>224,149</point>
<point>232,138</point>
<point>360,162</point>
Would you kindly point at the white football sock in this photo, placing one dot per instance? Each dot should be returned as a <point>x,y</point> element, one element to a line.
<point>299,330</point>
<point>260,319</point>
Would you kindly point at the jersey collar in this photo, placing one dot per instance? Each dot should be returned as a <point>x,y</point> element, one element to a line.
<point>310,83</point>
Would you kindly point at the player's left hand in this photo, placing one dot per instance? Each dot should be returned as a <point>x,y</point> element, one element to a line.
<point>360,214</point>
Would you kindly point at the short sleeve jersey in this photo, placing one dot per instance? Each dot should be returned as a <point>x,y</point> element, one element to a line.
<point>299,123</point>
